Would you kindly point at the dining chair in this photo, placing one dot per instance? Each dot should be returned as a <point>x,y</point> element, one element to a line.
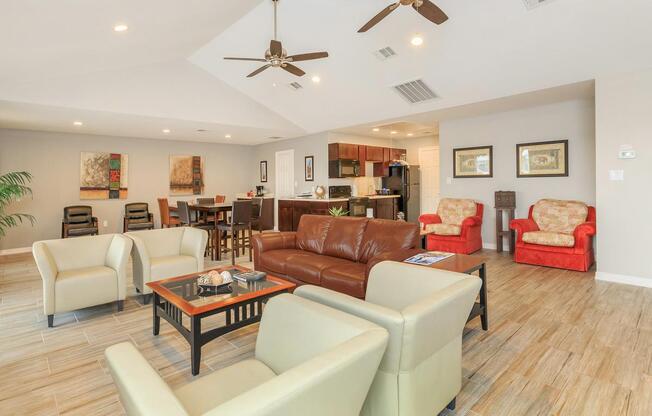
<point>220,199</point>
<point>240,221</point>
<point>167,220</point>
<point>186,219</point>
<point>206,201</point>
<point>256,213</point>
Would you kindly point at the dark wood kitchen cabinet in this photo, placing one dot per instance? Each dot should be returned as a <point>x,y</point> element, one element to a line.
<point>386,154</point>
<point>362,157</point>
<point>285,213</point>
<point>298,209</point>
<point>374,153</point>
<point>290,211</point>
<point>398,154</point>
<point>386,208</point>
<point>337,151</point>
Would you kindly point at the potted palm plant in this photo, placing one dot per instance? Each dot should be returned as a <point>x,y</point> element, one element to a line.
<point>13,186</point>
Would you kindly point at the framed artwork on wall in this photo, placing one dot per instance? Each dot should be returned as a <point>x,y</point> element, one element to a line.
<point>103,175</point>
<point>263,171</point>
<point>186,175</point>
<point>473,162</point>
<point>309,167</point>
<point>542,159</point>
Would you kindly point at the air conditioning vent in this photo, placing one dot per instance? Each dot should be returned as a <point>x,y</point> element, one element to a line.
<point>415,91</point>
<point>385,53</point>
<point>296,86</point>
<point>531,4</point>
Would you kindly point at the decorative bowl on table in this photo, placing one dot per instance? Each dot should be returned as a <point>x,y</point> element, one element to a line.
<point>215,282</point>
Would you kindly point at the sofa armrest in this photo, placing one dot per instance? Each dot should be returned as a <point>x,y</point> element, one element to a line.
<point>116,258</point>
<point>583,233</point>
<point>389,319</point>
<point>426,219</point>
<point>397,255</point>
<point>193,244</point>
<point>521,226</point>
<point>47,267</point>
<point>142,390</point>
<point>471,221</point>
<point>141,263</point>
<point>271,241</point>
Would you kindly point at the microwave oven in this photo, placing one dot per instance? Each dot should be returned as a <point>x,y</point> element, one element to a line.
<point>343,168</point>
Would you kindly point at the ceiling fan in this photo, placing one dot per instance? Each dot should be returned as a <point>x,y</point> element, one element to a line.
<point>277,57</point>
<point>425,8</point>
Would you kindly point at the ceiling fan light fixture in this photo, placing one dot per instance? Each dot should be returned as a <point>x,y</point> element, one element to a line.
<point>417,40</point>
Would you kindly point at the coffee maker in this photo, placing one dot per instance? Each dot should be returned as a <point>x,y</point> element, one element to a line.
<point>260,190</point>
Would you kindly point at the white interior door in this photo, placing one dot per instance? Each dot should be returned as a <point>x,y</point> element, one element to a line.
<point>429,164</point>
<point>283,178</point>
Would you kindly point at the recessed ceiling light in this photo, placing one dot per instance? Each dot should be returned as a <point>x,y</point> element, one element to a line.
<point>78,123</point>
<point>316,79</point>
<point>410,134</point>
<point>375,129</point>
<point>417,40</point>
<point>227,136</point>
<point>120,28</point>
<point>273,84</point>
<point>393,132</point>
<point>166,131</point>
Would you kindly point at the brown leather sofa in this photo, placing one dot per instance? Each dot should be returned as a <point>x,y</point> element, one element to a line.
<point>334,252</point>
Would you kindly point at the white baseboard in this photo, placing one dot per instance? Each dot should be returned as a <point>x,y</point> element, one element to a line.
<point>19,250</point>
<point>623,279</point>
<point>489,246</point>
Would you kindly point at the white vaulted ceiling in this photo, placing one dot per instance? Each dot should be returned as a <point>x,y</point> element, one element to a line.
<point>62,58</point>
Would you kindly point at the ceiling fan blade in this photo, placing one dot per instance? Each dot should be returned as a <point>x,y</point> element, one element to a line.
<point>258,71</point>
<point>275,48</point>
<point>380,16</point>
<point>293,70</point>
<point>431,12</point>
<point>308,56</point>
<point>245,59</point>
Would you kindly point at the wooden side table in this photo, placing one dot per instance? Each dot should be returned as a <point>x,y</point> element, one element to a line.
<point>501,232</point>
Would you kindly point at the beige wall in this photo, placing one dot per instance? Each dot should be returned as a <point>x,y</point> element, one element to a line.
<point>53,159</point>
<point>413,145</point>
<point>572,120</point>
<point>624,117</point>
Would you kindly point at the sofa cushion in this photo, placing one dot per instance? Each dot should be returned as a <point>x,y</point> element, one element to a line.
<point>547,238</point>
<point>276,260</point>
<point>444,229</point>
<point>387,235</point>
<point>88,286</point>
<point>308,267</point>
<point>344,237</point>
<point>346,278</point>
<point>172,266</point>
<point>454,211</point>
<point>312,232</point>
<point>559,216</point>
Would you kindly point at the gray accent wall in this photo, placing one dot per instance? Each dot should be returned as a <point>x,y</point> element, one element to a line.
<point>53,159</point>
<point>572,120</point>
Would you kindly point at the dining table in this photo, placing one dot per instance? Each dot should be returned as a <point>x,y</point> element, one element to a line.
<point>214,210</point>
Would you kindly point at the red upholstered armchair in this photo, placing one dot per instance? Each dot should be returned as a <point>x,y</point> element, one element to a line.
<point>556,234</point>
<point>456,227</point>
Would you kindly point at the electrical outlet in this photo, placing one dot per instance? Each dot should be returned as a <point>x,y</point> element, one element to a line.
<point>617,175</point>
<point>105,223</point>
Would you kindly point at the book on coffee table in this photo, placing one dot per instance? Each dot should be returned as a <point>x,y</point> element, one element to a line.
<point>428,258</point>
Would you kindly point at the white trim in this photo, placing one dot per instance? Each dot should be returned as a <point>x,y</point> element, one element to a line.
<point>624,279</point>
<point>19,250</point>
<point>489,246</point>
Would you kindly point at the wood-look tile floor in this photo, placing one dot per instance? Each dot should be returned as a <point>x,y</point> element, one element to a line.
<point>559,343</point>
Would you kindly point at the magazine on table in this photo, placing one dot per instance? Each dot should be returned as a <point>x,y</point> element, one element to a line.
<point>428,258</point>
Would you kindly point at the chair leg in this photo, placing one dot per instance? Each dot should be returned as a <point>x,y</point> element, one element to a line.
<point>121,305</point>
<point>50,321</point>
<point>243,242</point>
<point>451,405</point>
<point>234,246</point>
<point>250,259</point>
<point>147,298</point>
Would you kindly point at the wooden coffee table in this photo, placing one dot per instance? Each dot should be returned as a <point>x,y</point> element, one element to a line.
<point>463,263</point>
<point>179,296</point>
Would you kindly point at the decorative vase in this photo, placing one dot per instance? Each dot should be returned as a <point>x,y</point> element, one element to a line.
<point>320,192</point>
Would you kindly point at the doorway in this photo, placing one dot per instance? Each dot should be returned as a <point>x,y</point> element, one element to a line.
<point>429,163</point>
<point>283,178</point>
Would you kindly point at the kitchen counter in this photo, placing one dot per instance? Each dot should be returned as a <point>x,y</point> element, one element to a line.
<point>313,199</point>
<point>245,196</point>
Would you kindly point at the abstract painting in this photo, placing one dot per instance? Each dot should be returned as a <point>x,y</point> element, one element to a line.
<point>103,175</point>
<point>473,162</point>
<point>542,159</point>
<point>186,175</point>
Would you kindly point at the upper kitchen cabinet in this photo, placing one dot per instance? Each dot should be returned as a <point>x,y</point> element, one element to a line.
<point>374,154</point>
<point>362,157</point>
<point>343,151</point>
<point>398,154</point>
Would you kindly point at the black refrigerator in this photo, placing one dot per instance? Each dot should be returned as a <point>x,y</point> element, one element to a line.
<point>404,181</point>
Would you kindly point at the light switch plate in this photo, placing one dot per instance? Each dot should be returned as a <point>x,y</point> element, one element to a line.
<point>616,175</point>
<point>627,154</point>
<point>449,180</point>
<point>105,223</point>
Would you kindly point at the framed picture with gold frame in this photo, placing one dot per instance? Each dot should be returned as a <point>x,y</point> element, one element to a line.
<point>542,159</point>
<point>473,162</point>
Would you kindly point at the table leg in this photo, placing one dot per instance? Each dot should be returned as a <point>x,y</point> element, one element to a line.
<point>483,297</point>
<point>195,344</point>
<point>156,319</point>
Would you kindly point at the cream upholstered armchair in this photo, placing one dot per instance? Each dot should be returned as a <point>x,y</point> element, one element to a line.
<point>167,252</point>
<point>424,310</point>
<point>82,272</point>
<point>309,360</point>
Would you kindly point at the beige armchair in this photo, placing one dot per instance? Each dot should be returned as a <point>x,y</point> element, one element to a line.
<point>82,272</point>
<point>309,360</point>
<point>167,252</point>
<point>424,310</point>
